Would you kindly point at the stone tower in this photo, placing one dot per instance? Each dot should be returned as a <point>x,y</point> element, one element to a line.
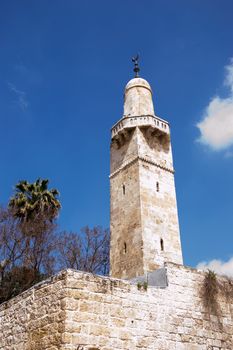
<point>144,221</point>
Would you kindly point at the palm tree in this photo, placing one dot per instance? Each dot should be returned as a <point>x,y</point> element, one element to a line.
<point>33,199</point>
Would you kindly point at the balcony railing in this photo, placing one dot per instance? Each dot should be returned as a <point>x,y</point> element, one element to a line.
<point>140,121</point>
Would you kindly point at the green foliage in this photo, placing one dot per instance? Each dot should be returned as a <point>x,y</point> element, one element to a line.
<point>143,285</point>
<point>32,199</point>
<point>210,291</point>
<point>31,248</point>
<point>27,237</point>
<point>17,280</point>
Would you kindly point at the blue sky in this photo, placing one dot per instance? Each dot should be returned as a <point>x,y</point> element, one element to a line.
<point>63,68</point>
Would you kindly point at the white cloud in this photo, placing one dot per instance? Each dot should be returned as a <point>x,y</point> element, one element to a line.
<point>216,126</point>
<point>218,266</point>
<point>20,95</point>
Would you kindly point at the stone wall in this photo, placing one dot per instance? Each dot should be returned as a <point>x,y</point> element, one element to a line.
<point>80,311</point>
<point>35,319</point>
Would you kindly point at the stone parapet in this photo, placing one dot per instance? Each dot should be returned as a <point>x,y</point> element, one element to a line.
<point>81,311</point>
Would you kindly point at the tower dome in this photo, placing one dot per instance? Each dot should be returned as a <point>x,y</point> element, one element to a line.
<point>138,98</point>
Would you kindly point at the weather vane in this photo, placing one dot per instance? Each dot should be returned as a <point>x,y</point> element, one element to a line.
<point>136,66</point>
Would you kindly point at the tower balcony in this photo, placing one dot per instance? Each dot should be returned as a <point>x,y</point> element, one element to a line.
<point>153,123</point>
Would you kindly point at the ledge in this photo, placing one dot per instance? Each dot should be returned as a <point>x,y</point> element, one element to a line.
<point>143,121</point>
<point>146,160</point>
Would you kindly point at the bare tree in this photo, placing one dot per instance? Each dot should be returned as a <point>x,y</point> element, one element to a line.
<point>86,251</point>
<point>27,252</point>
<point>30,248</point>
<point>12,242</point>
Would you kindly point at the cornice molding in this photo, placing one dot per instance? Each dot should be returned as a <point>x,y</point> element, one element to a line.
<point>142,159</point>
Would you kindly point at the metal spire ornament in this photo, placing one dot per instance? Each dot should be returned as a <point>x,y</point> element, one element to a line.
<point>136,66</point>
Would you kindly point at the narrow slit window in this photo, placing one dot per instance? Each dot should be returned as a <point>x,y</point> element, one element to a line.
<point>125,248</point>
<point>161,245</point>
<point>157,186</point>
<point>123,189</point>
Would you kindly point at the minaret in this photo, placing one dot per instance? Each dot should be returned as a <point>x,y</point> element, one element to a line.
<point>144,221</point>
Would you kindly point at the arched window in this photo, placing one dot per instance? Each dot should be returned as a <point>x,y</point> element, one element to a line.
<point>157,186</point>
<point>161,245</point>
<point>123,189</point>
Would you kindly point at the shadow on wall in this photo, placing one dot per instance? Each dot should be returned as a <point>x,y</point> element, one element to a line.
<point>157,278</point>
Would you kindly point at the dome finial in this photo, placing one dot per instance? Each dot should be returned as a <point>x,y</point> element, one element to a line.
<point>136,66</point>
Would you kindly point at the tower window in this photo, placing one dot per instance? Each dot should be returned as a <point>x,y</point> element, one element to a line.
<point>125,248</point>
<point>157,186</point>
<point>161,245</point>
<point>123,189</point>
